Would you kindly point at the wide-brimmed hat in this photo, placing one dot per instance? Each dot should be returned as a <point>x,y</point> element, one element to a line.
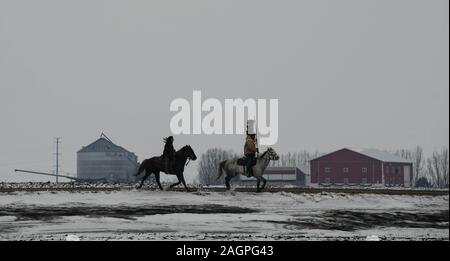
<point>251,127</point>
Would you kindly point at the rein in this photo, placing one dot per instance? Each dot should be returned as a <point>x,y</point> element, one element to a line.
<point>263,156</point>
<point>189,158</point>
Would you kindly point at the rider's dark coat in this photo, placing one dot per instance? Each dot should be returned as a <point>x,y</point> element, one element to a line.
<point>169,150</point>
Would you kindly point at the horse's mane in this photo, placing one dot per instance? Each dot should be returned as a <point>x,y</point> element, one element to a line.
<point>182,149</point>
<point>265,152</point>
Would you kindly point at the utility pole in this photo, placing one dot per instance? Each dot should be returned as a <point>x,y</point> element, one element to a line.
<point>57,141</point>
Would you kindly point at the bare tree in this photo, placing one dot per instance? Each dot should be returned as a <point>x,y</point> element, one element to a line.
<point>209,164</point>
<point>295,159</point>
<point>444,166</point>
<point>433,169</point>
<point>414,155</point>
<point>404,153</point>
<point>418,162</point>
<point>438,169</point>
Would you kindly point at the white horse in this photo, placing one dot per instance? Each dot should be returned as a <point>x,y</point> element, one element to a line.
<point>232,168</point>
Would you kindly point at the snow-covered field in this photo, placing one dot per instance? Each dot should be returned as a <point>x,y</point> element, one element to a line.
<point>169,215</point>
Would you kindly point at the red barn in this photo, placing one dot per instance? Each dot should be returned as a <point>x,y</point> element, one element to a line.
<point>361,167</point>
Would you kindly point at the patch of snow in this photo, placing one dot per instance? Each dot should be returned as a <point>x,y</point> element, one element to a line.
<point>373,238</point>
<point>72,238</point>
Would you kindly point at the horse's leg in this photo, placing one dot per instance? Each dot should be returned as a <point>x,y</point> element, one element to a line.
<point>184,182</point>
<point>264,183</point>
<point>176,184</point>
<point>258,181</point>
<point>227,181</point>
<point>143,179</point>
<point>157,180</point>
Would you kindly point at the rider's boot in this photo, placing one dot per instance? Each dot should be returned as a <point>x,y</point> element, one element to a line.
<point>250,172</point>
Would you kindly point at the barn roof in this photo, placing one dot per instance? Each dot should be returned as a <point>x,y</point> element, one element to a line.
<point>382,155</point>
<point>305,169</point>
<point>103,145</point>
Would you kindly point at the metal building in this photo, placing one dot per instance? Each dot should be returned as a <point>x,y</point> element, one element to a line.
<point>361,167</point>
<point>103,159</point>
<point>281,176</point>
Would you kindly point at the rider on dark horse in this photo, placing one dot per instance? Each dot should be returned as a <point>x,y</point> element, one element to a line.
<point>168,154</point>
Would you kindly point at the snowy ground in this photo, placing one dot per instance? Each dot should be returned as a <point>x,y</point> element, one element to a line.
<point>169,215</point>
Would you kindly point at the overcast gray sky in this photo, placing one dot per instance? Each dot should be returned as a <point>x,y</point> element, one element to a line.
<point>347,73</point>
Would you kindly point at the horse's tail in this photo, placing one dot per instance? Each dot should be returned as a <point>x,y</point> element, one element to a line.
<point>220,171</point>
<point>140,169</point>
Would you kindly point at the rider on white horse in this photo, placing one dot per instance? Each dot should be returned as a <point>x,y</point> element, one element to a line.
<point>250,149</point>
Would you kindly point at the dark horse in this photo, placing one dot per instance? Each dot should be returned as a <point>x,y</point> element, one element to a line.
<point>156,165</point>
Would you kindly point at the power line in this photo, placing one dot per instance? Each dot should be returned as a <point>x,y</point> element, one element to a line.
<point>57,141</point>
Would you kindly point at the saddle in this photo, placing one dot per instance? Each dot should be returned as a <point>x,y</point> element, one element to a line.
<point>241,161</point>
<point>166,165</point>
